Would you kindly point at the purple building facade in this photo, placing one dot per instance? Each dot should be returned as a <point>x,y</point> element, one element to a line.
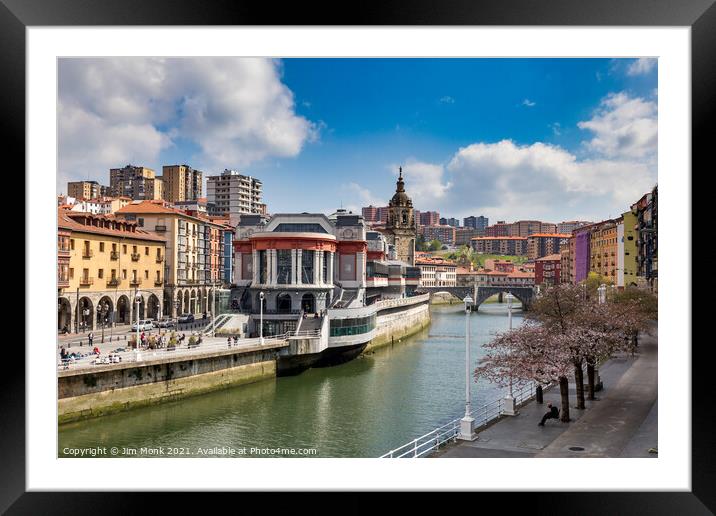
<point>582,237</point>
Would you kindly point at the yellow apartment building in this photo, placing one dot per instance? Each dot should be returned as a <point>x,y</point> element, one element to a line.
<point>103,265</point>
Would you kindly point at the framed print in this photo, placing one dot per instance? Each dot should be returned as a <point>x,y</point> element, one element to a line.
<point>304,247</point>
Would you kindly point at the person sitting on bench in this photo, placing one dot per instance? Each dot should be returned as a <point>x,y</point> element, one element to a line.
<point>553,413</point>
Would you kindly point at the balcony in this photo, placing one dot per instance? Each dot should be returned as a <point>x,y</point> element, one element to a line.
<point>63,282</point>
<point>86,281</point>
<point>159,259</point>
<point>135,257</point>
<point>135,282</point>
<point>87,253</point>
<point>160,228</point>
<point>158,282</point>
<point>114,255</point>
<point>113,282</point>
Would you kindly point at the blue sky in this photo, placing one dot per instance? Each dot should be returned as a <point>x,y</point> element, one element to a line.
<point>553,139</point>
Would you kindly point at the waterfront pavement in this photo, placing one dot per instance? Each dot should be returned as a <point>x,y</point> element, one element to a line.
<point>622,422</point>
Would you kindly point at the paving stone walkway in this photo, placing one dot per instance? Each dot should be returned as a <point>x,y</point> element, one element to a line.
<point>622,422</point>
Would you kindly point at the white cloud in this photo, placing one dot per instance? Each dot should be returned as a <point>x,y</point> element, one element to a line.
<point>509,181</point>
<point>113,111</point>
<point>556,128</point>
<point>428,186</point>
<point>641,66</point>
<point>623,127</point>
<point>447,99</point>
<point>528,103</point>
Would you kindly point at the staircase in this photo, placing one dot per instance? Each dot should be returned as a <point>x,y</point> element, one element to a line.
<point>217,323</point>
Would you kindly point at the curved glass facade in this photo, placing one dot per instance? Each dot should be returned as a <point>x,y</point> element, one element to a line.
<point>357,326</point>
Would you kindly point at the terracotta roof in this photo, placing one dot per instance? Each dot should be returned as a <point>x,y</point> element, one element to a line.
<point>520,274</point>
<point>499,238</point>
<point>66,220</point>
<point>553,235</point>
<point>550,258</point>
<point>160,207</point>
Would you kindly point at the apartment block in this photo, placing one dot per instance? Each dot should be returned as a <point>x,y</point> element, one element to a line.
<point>86,190</point>
<point>136,182</point>
<point>181,183</point>
<point>234,194</point>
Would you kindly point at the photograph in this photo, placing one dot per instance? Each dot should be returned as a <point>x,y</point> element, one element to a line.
<point>357,257</point>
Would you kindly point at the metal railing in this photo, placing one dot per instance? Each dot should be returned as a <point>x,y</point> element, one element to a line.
<point>182,349</point>
<point>449,432</point>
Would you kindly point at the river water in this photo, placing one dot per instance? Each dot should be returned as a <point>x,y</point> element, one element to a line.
<point>363,408</point>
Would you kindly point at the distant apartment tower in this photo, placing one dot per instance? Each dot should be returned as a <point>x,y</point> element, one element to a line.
<point>429,218</point>
<point>445,234</point>
<point>501,229</point>
<point>181,183</point>
<point>540,245</point>
<point>371,214</point>
<point>476,222</point>
<point>571,225</point>
<point>525,228</point>
<point>86,190</point>
<point>452,221</point>
<point>233,194</point>
<point>137,183</point>
<point>505,245</point>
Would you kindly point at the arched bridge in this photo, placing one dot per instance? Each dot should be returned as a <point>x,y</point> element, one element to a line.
<point>481,293</point>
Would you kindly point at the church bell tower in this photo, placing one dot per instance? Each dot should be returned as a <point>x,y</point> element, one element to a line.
<point>401,222</point>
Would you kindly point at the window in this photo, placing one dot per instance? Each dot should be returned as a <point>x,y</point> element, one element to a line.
<point>246,265</point>
<point>134,249</point>
<point>347,267</point>
<point>101,249</point>
<point>100,273</point>
<point>283,272</point>
<point>114,273</point>
<point>124,249</point>
<point>140,222</point>
<point>326,258</point>
<point>307,266</point>
<point>72,273</point>
<point>263,267</point>
<point>146,251</point>
<point>124,273</point>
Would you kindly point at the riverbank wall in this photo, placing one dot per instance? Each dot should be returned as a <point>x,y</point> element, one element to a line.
<point>398,319</point>
<point>115,388</point>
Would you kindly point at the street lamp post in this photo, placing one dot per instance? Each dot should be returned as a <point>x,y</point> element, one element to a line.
<point>261,320</point>
<point>104,309</point>
<point>602,290</point>
<point>137,299</point>
<point>509,401</point>
<point>467,423</point>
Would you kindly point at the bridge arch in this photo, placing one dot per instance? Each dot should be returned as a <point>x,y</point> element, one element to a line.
<point>481,293</point>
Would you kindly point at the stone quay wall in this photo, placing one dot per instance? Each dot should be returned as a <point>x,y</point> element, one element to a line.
<point>85,394</point>
<point>395,324</point>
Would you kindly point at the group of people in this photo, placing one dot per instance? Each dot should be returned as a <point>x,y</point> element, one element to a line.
<point>236,340</point>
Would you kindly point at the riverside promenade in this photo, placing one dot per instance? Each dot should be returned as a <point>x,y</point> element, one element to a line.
<point>622,422</point>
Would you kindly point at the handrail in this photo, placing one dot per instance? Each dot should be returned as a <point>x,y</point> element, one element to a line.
<point>431,441</point>
<point>219,344</point>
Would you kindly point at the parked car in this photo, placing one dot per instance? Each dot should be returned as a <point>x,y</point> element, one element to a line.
<point>143,325</point>
<point>164,323</point>
<point>186,318</point>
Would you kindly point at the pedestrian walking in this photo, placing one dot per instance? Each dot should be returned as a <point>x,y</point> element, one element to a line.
<point>228,341</point>
<point>552,413</point>
<point>90,338</point>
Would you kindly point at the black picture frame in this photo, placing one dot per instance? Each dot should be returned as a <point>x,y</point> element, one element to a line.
<point>700,15</point>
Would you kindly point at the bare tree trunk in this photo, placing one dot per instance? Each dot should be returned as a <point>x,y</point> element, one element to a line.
<point>564,391</point>
<point>579,380</point>
<point>590,380</point>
